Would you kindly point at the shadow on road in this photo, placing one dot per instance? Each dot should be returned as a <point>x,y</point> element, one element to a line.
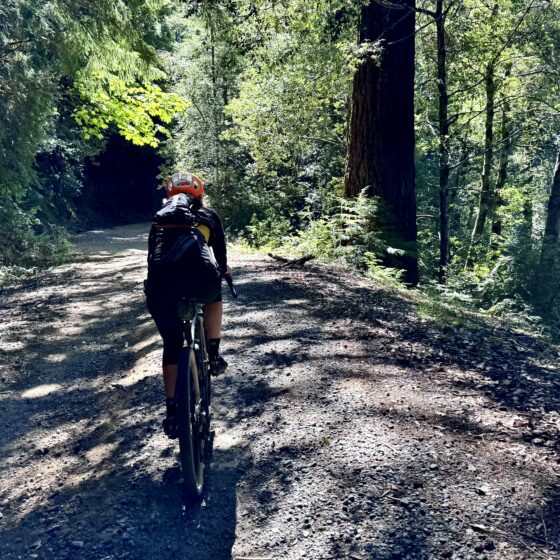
<point>86,471</point>
<point>347,427</point>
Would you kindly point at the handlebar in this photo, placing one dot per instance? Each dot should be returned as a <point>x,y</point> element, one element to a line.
<point>232,289</point>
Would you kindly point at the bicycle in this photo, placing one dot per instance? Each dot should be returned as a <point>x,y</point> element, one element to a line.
<point>193,397</point>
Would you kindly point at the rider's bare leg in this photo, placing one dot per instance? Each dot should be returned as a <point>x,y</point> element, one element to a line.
<point>169,379</point>
<point>169,382</point>
<point>213,313</point>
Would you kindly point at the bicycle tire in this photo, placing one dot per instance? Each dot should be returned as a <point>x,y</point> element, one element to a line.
<point>191,444</point>
<point>203,363</point>
<point>205,390</point>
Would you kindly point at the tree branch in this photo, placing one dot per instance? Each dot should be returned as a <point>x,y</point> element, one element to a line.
<point>513,32</point>
<point>482,152</point>
<point>291,262</point>
<point>326,140</point>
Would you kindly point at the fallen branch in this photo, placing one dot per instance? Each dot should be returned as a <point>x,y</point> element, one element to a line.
<point>291,262</point>
<point>278,257</point>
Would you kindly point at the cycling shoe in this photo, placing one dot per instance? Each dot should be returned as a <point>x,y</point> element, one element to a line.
<point>217,365</point>
<point>170,428</point>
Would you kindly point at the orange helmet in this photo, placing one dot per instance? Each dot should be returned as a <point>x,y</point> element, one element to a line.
<point>184,183</point>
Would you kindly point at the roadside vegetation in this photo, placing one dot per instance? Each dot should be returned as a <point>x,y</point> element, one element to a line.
<point>267,102</point>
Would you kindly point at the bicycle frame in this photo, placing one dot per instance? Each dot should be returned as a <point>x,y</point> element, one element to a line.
<point>189,311</point>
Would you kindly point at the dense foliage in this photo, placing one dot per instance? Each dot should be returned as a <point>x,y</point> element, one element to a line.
<point>268,85</point>
<point>269,125</point>
<point>65,64</point>
<point>502,143</point>
<point>261,92</point>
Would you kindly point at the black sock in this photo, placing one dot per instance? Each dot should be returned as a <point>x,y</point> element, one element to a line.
<point>213,348</point>
<point>170,406</point>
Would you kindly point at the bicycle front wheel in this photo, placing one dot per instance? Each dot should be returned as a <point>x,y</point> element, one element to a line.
<point>189,423</point>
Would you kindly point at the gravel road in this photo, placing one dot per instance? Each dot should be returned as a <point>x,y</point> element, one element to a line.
<point>352,423</point>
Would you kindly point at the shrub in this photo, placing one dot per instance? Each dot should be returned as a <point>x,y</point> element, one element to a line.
<point>27,243</point>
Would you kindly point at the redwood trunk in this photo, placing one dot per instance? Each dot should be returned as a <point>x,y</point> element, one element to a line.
<point>381,139</point>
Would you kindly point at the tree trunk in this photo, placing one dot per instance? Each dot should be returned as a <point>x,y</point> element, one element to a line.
<point>443,143</point>
<point>381,138</point>
<point>486,193</point>
<point>215,104</point>
<point>549,265</point>
<point>505,152</point>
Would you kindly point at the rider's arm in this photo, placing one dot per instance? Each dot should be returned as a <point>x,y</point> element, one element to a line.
<point>151,240</point>
<point>218,243</point>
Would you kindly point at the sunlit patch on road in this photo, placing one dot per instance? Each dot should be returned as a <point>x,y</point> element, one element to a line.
<point>41,391</point>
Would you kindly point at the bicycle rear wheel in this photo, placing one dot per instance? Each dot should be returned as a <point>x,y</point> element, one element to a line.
<point>189,423</point>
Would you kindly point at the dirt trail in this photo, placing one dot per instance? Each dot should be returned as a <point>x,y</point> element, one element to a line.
<point>348,426</point>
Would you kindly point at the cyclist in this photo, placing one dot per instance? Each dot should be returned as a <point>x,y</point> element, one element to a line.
<point>162,293</point>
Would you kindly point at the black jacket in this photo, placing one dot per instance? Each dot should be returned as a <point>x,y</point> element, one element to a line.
<point>210,218</point>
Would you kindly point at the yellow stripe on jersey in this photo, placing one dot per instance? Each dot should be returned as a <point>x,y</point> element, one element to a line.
<point>205,230</point>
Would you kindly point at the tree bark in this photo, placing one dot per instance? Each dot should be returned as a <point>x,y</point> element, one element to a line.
<point>505,151</point>
<point>486,193</point>
<point>549,266</point>
<point>506,144</point>
<point>443,143</point>
<point>215,112</point>
<point>381,138</point>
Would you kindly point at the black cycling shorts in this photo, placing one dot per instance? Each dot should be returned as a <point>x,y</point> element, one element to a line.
<point>164,313</point>
<point>218,298</point>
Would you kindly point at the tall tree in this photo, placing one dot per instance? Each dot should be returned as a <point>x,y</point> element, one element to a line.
<point>381,137</point>
<point>549,266</point>
<point>487,193</point>
<point>505,152</point>
<point>439,16</point>
<point>497,68</point>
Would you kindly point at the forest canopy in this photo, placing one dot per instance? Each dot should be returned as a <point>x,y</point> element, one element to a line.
<point>418,136</point>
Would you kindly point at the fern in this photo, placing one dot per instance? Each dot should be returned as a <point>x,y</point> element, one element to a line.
<point>349,233</point>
